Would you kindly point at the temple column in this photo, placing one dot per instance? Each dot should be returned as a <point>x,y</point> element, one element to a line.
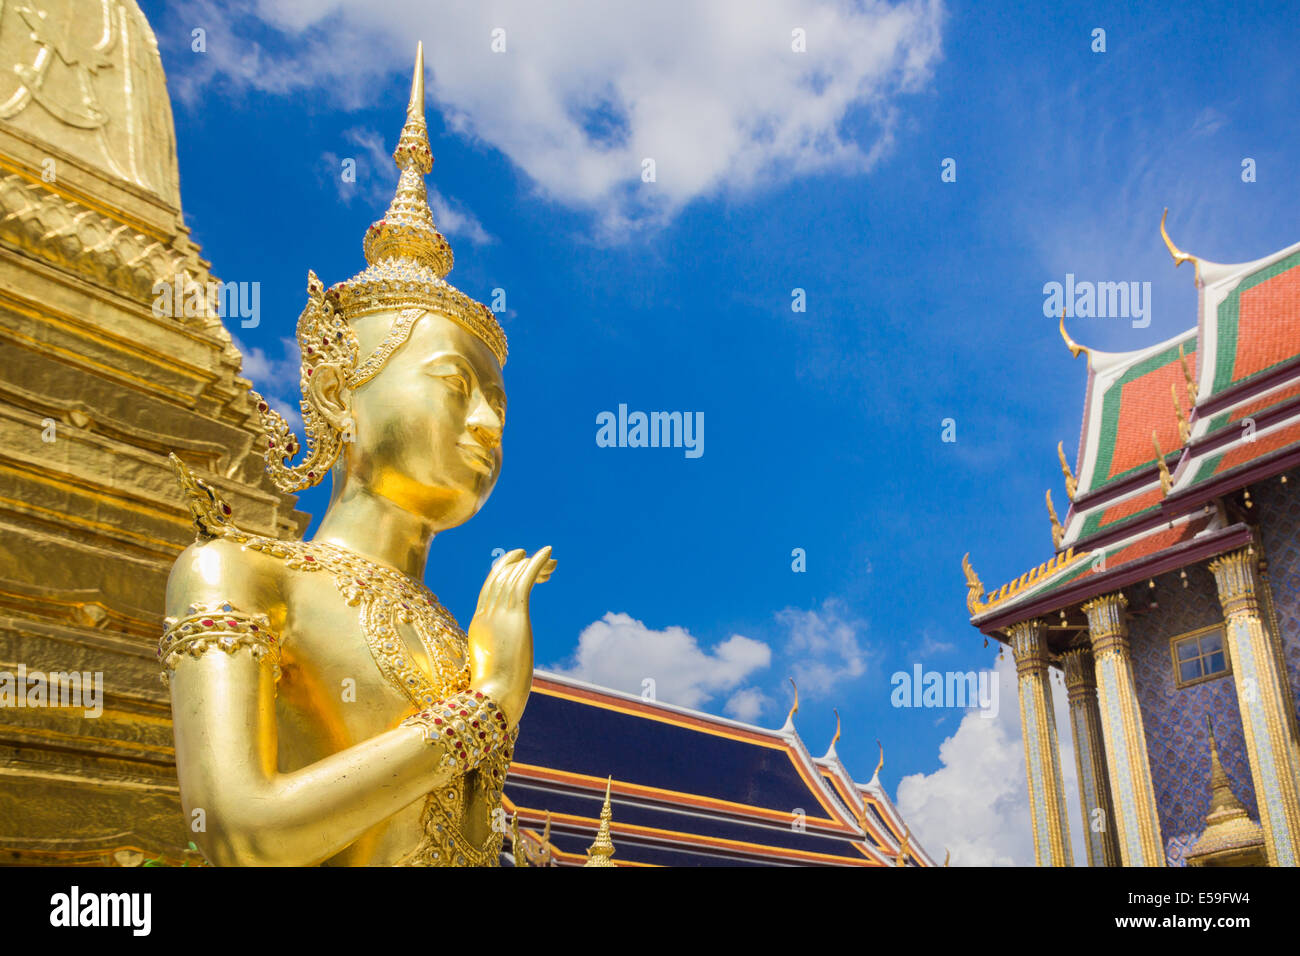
<point>1090,756</point>
<point>1256,673</point>
<point>1042,753</point>
<point>1131,789</point>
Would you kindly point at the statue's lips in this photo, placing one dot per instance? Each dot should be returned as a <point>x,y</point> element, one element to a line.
<point>478,457</point>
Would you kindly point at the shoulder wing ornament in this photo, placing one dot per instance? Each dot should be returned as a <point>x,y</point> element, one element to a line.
<point>212,516</point>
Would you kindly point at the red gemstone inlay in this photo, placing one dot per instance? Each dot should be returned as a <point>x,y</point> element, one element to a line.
<point>437,720</point>
<point>310,558</point>
<point>208,622</point>
<point>232,623</point>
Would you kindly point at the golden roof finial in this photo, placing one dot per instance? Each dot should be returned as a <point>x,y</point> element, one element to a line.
<point>794,708</point>
<point>1184,429</point>
<point>516,847</point>
<point>836,738</point>
<point>1166,479</point>
<point>602,849</point>
<point>947,855</point>
<point>974,588</point>
<point>904,848</point>
<point>1192,390</point>
<point>1071,485</point>
<point>1179,256</point>
<point>880,764</point>
<point>1075,348</point>
<point>1057,531</point>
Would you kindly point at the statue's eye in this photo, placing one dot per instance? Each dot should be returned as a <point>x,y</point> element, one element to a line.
<point>458,382</point>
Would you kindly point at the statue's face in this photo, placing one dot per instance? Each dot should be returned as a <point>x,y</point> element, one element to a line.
<point>427,427</point>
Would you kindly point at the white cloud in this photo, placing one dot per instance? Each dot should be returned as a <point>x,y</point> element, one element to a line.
<point>620,652</point>
<point>747,704</point>
<point>976,804</point>
<point>823,646</point>
<point>713,93</point>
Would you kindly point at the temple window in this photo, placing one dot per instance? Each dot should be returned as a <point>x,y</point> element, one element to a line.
<point>1199,656</point>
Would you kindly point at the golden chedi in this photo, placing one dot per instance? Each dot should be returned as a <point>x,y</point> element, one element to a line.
<point>327,709</point>
<point>97,385</point>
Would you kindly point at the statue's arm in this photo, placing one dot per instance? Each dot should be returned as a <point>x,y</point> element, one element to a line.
<point>223,707</point>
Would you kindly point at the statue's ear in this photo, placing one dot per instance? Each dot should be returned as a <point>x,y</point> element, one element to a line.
<point>331,396</point>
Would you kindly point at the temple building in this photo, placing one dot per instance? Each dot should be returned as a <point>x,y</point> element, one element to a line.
<point>689,788</point>
<point>99,384</point>
<point>1170,612</point>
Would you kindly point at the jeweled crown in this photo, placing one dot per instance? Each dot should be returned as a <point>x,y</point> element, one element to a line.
<point>408,258</point>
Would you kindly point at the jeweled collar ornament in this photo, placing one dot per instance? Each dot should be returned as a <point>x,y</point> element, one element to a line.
<point>407,261</point>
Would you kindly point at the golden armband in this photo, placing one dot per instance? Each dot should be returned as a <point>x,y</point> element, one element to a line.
<point>207,627</point>
<point>469,724</point>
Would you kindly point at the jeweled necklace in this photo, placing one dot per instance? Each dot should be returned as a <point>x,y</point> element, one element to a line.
<point>387,598</point>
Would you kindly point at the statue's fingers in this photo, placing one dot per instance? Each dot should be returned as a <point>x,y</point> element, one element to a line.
<point>532,572</point>
<point>547,570</point>
<point>506,565</point>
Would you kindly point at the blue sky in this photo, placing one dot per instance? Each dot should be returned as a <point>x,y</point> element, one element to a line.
<point>775,171</point>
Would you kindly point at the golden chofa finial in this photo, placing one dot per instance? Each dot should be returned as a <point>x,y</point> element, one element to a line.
<point>1071,485</point>
<point>1184,429</point>
<point>1166,479</point>
<point>599,853</point>
<point>904,848</point>
<point>1179,256</point>
<point>880,764</point>
<point>1057,531</point>
<point>830,752</point>
<point>794,708</point>
<point>947,855</point>
<point>974,588</point>
<point>1075,348</point>
<point>1192,390</point>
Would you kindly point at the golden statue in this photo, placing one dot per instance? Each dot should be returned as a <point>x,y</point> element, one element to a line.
<point>327,709</point>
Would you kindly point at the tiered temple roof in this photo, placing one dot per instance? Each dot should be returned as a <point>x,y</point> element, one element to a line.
<point>1169,432</point>
<point>689,788</point>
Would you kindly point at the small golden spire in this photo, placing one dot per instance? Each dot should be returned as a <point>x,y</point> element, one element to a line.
<point>1179,256</point>
<point>599,853</point>
<point>1230,833</point>
<point>947,855</point>
<point>1192,390</point>
<point>836,738</point>
<point>1166,479</point>
<point>1184,429</point>
<point>1057,531</point>
<point>794,708</point>
<point>880,764</point>
<point>1075,348</point>
<point>974,587</point>
<point>1071,485</point>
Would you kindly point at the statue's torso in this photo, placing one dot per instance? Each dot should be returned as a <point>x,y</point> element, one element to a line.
<point>352,669</point>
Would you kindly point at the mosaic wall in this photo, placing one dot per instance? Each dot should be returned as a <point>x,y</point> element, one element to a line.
<point>1279,517</point>
<point>1174,718</point>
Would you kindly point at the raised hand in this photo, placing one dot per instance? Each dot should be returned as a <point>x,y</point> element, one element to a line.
<point>501,634</point>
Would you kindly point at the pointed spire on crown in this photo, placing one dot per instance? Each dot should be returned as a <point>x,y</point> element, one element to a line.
<point>407,257</point>
<point>407,230</point>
